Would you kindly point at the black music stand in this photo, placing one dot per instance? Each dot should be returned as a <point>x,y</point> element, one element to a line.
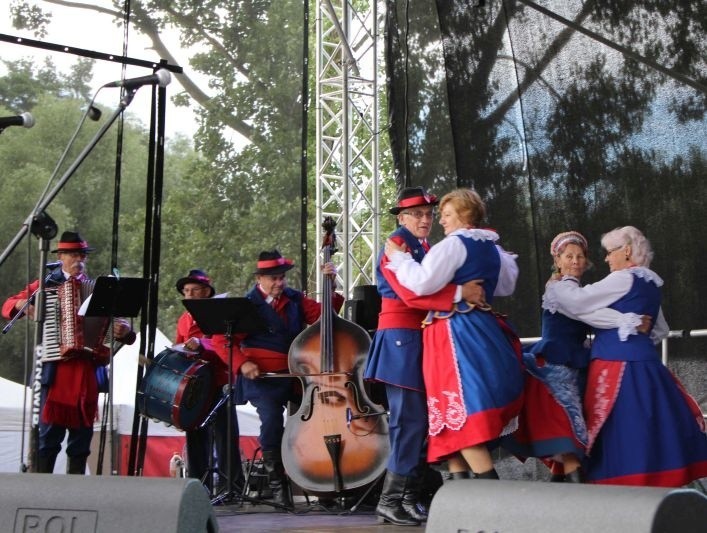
<point>226,316</point>
<point>113,297</point>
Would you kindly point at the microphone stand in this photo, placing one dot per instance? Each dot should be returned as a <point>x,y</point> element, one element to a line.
<point>40,221</point>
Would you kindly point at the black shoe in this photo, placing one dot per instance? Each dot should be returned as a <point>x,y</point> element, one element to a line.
<point>411,499</point>
<point>490,474</point>
<point>576,476</point>
<point>390,506</point>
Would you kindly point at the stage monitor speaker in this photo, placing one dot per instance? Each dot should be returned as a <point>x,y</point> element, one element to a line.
<point>532,506</point>
<point>105,504</point>
<point>364,306</point>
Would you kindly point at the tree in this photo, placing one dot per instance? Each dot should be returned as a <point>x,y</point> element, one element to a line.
<point>29,158</point>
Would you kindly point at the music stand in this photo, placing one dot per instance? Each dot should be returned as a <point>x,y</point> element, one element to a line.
<point>112,297</point>
<point>121,297</point>
<point>226,316</point>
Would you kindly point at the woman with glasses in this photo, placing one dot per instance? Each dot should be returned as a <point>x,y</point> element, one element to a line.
<point>643,428</point>
<point>471,359</point>
<point>551,424</point>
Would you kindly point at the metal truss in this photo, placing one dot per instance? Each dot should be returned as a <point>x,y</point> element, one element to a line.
<point>347,134</point>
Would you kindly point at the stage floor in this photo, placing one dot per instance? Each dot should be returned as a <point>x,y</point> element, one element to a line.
<point>250,518</point>
<point>307,517</point>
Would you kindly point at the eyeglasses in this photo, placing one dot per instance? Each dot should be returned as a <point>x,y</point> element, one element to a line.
<point>609,252</point>
<point>420,214</point>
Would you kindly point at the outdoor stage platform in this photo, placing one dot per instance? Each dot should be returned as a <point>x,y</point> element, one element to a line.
<point>518,503</point>
<point>311,518</point>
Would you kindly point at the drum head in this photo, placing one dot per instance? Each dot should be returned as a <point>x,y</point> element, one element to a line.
<point>177,390</point>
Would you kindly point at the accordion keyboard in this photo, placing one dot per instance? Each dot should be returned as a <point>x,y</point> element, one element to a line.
<point>50,332</point>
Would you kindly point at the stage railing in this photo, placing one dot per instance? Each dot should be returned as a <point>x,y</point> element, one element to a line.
<point>673,334</point>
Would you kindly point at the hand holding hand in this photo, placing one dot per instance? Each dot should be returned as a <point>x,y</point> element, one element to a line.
<point>391,247</point>
<point>646,324</point>
<point>474,293</point>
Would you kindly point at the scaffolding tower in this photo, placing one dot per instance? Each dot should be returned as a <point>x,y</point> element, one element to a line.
<point>347,151</point>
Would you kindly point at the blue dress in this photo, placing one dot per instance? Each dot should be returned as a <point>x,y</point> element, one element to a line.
<point>471,363</point>
<point>644,429</point>
<point>552,421</point>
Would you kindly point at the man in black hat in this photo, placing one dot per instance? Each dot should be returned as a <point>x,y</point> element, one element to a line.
<point>287,312</point>
<point>197,285</point>
<point>395,359</point>
<point>69,387</point>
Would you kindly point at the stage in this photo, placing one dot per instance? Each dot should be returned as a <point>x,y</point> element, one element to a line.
<point>312,517</point>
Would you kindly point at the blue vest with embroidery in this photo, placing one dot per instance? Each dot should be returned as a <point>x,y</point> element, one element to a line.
<point>644,299</point>
<point>280,333</point>
<point>414,247</point>
<point>562,341</point>
<point>483,262</point>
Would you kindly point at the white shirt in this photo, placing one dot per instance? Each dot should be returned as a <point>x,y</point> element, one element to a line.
<point>582,303</point>
<point>443,260</point>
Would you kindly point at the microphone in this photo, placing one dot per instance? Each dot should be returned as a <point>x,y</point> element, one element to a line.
<point>161,77</point>
<point>52,266</point>
<point>25,119</point>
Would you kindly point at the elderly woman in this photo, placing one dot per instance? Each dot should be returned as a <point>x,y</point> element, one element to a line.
<point>551,424</point>
<point>471,368</point>
<point>643,428</point>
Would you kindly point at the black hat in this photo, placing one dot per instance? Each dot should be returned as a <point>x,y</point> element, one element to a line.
<point>196,276</point>
<point>71,241</point>
<point>272,262</point>
<point>413,197</point>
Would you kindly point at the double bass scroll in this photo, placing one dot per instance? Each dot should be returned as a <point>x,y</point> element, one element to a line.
<point>337,440</point>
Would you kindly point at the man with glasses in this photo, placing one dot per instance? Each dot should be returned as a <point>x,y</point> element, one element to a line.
<point>69,387</point>
<point>395,359</point>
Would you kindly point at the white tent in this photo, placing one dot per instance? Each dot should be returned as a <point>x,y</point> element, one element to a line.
<point>163,440</point>
<point>11,402</point>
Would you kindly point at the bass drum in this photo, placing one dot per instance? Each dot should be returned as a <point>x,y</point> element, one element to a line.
<point>177,390</point>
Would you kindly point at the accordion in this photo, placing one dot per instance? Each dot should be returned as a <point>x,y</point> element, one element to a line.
<point>66,334</point>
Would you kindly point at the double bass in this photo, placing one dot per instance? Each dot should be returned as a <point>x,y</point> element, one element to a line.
<point>338,438</point>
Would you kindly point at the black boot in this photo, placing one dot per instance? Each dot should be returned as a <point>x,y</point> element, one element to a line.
<point>576,476</point>
<point>390,504</point>
<point>76,465</point>
<point>277,480</point>
<point>490,474</point>
<point>557,478</point>
<point>411,500</point>
<point>460,475</point>
<point>45,465</point>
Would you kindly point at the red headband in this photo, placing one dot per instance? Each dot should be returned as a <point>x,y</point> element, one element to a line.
<point>415,201</point>
<point>271,263</point>
<point>72,246</point>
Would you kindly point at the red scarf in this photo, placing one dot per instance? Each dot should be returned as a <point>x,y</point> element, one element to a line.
<point>72,400</point>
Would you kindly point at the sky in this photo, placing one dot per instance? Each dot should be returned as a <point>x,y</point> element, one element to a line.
<point>98,32</point>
